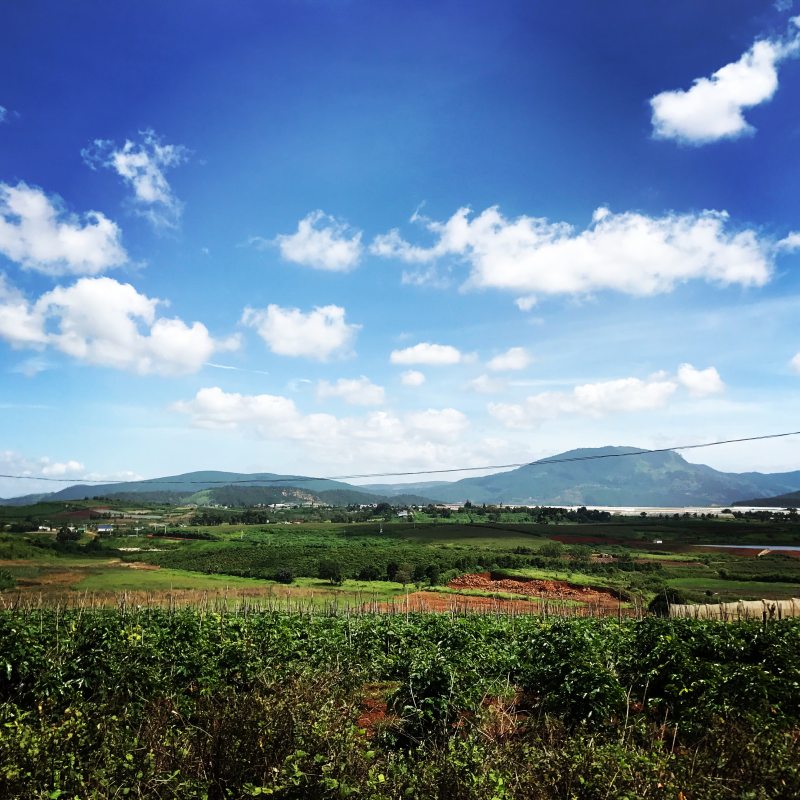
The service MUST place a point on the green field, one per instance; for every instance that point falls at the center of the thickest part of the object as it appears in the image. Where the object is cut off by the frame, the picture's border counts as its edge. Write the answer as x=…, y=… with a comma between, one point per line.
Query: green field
x=186, y=704
x=382, y=557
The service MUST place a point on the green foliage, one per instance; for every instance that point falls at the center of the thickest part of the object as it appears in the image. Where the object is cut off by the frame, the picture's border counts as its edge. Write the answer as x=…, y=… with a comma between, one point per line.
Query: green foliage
x=330, y=570
x=663, y=599
x=183, y=704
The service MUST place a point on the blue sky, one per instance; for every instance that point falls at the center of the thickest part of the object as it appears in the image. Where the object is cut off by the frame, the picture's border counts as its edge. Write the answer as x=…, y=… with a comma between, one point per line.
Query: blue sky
x=356, y=236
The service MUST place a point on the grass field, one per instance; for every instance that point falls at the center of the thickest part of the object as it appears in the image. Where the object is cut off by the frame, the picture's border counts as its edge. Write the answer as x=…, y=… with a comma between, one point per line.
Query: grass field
x=249, y=558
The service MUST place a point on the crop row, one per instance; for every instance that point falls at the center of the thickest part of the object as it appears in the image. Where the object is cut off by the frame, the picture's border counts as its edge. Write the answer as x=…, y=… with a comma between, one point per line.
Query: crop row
x=186, y=704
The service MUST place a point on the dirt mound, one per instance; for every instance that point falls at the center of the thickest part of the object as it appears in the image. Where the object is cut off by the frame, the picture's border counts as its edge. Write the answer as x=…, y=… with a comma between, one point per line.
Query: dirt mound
x=547, y=589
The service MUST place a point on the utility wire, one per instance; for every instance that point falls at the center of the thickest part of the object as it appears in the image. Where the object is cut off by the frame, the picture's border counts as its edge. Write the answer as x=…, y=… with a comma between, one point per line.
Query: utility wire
x=542, y=462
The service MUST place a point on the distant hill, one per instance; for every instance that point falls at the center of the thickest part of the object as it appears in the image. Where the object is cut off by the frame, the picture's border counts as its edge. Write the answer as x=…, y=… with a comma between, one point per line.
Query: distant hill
x=226, y=489
x=652, y=479
x=425, y=488
x=790, y=500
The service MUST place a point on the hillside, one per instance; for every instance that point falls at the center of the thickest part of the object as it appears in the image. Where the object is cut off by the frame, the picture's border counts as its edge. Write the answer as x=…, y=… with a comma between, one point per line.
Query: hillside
x=652, y=479
x=210, y=488
x=789, y=500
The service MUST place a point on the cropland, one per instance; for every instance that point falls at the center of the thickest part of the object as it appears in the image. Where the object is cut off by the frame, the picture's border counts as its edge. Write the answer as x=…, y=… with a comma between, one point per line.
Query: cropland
x=389, y=652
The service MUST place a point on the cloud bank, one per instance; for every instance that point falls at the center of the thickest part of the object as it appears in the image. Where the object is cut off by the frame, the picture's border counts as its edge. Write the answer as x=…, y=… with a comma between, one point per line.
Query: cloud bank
x=600, y=399
x=629, y=252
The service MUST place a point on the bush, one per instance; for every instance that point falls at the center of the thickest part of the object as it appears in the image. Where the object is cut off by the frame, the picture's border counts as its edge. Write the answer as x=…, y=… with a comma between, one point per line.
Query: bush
x=331, y=570
x=664, y=598
x=284, y=576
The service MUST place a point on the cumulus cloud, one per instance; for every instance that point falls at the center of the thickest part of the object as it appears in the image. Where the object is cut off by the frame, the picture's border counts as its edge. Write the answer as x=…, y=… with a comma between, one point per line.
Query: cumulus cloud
x=608, y=397
x=712, y=109
x=515, y=358
x=142, y=166
x=322, y=242
x=3, y=114
x=589, y=399
x=101, y=321
x=627, y=252
x=700, y=382
x=319, y=334
x=426, y=438
x=795, y=363
x=427, y=353
x=355, y=391
x=412, y=377
x=37, y=233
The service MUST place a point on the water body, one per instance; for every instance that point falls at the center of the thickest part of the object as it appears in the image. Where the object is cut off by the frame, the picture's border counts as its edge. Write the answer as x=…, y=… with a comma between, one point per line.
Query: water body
x=792, y=547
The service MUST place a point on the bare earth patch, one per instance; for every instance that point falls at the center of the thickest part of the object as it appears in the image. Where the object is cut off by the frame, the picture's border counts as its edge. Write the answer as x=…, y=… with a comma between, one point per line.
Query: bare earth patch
x=544, y=589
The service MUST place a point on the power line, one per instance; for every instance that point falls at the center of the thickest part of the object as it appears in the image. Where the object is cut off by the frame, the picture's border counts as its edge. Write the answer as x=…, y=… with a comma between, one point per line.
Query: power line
x=542, y=462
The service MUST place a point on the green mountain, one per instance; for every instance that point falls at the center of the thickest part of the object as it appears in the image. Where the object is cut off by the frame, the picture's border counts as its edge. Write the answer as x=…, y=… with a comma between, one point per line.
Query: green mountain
x=617, y=479
x=621, y=477
x=226, y=489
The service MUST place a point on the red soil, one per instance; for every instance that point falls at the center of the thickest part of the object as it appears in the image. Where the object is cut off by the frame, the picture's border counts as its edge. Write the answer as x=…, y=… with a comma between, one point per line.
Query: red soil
x=546, y=589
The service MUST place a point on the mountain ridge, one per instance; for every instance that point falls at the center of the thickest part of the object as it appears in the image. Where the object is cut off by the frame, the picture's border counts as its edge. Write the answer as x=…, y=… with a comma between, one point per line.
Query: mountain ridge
x=609, y=476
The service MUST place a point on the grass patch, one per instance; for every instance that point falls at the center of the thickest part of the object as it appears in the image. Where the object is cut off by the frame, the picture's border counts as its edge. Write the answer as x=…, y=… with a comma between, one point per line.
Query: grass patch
x=115, y=579
x=735, y=590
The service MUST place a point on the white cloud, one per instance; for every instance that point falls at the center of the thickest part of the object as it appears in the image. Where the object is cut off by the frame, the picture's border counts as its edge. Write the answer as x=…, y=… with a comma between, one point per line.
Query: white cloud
x=19, y=323
x=600, y=399
x=589, y=399
x=32, y=366
x=700, y=382
x=379, y=439
x=14, y=463
x=445, y=423
x=319, y=334
x=486, y=385
x=427, y=353
x=515, y=358
x=38, y=234
x=56, y=469
x=627, y=252
x=789, y=243
x=526, y=303
x=712, y=108
x=101, y=321
x=322, y=242
x=795, y=363
x=3, y=114
x=412, y=377
x=356, y=391
x=142, y=166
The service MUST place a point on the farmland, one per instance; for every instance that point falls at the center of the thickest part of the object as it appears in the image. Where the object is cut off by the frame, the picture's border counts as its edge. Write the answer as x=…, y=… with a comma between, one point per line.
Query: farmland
x=193, y=703
x=296, y=658
x=156, y=549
